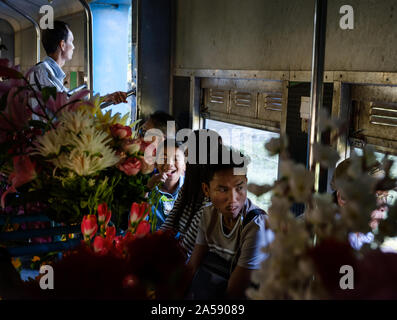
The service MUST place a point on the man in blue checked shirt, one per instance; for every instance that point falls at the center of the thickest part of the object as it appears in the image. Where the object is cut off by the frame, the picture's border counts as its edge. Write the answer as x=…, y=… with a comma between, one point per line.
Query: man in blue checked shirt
x=58, y=44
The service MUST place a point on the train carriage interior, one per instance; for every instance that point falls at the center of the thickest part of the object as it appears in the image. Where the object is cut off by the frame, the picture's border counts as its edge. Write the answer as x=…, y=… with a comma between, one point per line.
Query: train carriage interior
x=254, y=71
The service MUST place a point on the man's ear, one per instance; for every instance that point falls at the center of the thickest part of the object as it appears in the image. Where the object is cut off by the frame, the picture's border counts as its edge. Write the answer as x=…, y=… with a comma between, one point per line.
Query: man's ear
x=341, y=201
x=206, y=189
x=62, y=45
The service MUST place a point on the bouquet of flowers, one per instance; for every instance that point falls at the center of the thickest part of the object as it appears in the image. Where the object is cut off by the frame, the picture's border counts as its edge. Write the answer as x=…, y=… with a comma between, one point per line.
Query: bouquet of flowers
x=111, y=266
x=66, y=153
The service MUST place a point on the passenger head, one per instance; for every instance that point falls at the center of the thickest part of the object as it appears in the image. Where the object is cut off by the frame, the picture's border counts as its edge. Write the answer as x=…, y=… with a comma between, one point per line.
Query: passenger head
x=59, y=40
x=225, y=182
x=341, y=172
x=170, y=159
x=375, y=171
x=157, y=120
x=192, y=192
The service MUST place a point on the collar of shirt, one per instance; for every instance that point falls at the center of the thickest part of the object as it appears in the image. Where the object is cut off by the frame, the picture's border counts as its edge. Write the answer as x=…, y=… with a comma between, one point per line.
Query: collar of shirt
x=175, y=193
x=358, y=239
x=55, y=68
x=248, y=206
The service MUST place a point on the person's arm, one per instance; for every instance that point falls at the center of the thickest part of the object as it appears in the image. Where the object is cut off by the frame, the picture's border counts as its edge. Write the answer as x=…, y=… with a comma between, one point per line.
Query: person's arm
x=195, y=260
x=116, y=97
x=253, y=238
x=157, y=179
x=238, y=283
x=197, y=256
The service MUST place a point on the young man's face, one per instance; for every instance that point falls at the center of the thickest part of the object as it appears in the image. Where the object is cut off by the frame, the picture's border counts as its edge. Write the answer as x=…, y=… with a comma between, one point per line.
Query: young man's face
x=376, y=215
x=227, y=192
x=173, y=163
x=68, y=47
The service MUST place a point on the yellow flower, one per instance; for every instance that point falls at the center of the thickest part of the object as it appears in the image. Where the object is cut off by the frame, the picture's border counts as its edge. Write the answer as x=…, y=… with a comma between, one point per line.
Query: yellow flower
x=16, y=262
x=35, y=258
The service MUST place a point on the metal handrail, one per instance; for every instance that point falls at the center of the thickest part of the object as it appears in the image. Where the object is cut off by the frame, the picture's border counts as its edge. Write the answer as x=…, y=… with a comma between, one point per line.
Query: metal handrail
x=89, y=47
x=81, y=87
x=41, y=248
x=36, y=25
x=316, y=90
x=35, y=233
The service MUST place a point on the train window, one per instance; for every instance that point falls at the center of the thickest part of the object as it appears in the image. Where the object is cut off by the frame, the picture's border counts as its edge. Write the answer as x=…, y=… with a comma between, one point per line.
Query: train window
x=263, y=168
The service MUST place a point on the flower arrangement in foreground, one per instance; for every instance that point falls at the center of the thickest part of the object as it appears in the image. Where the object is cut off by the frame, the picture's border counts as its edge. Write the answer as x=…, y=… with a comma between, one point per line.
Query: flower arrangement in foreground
x=307, y=253
x=136, y=265
x=65, y=153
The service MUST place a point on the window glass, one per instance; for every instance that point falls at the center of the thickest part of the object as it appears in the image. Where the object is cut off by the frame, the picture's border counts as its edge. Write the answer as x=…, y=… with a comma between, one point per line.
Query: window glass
x=263, y=168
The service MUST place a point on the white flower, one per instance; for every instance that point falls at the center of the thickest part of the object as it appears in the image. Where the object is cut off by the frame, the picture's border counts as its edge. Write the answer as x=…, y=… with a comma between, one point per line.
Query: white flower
x=360, y=202
x=76, y=121
x=258, y=189
x=49, y=144
x=86, y=147
x=324, y=209
x=301, y=181
x=326, y=155
x=277, y=145
x=85, y=164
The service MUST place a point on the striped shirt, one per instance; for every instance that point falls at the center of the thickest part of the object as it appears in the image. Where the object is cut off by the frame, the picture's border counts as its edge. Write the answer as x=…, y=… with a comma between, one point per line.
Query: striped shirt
x=188, y=233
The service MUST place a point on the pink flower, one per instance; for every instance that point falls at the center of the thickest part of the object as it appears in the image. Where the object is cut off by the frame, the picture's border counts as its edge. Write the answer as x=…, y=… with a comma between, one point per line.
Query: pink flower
x=120, y=131
x=104, y=214
x=8, y=71
x=142, y=229
x=15, y=78
x=138, y=212
x=60, y=101
x=89, y=226
x=16, y=114
x=24, y=171
x=131, y=166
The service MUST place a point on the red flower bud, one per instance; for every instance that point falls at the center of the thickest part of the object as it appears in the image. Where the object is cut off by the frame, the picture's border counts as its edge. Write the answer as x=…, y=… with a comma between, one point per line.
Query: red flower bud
x=101, y=245
x=143, y=229
x=138, y=212
x=104, y=214
x=89, y=226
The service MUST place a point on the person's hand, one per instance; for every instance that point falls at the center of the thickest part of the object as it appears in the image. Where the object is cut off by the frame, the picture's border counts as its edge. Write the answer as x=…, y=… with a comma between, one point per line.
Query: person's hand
x=116, y=97
x=157, y=179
